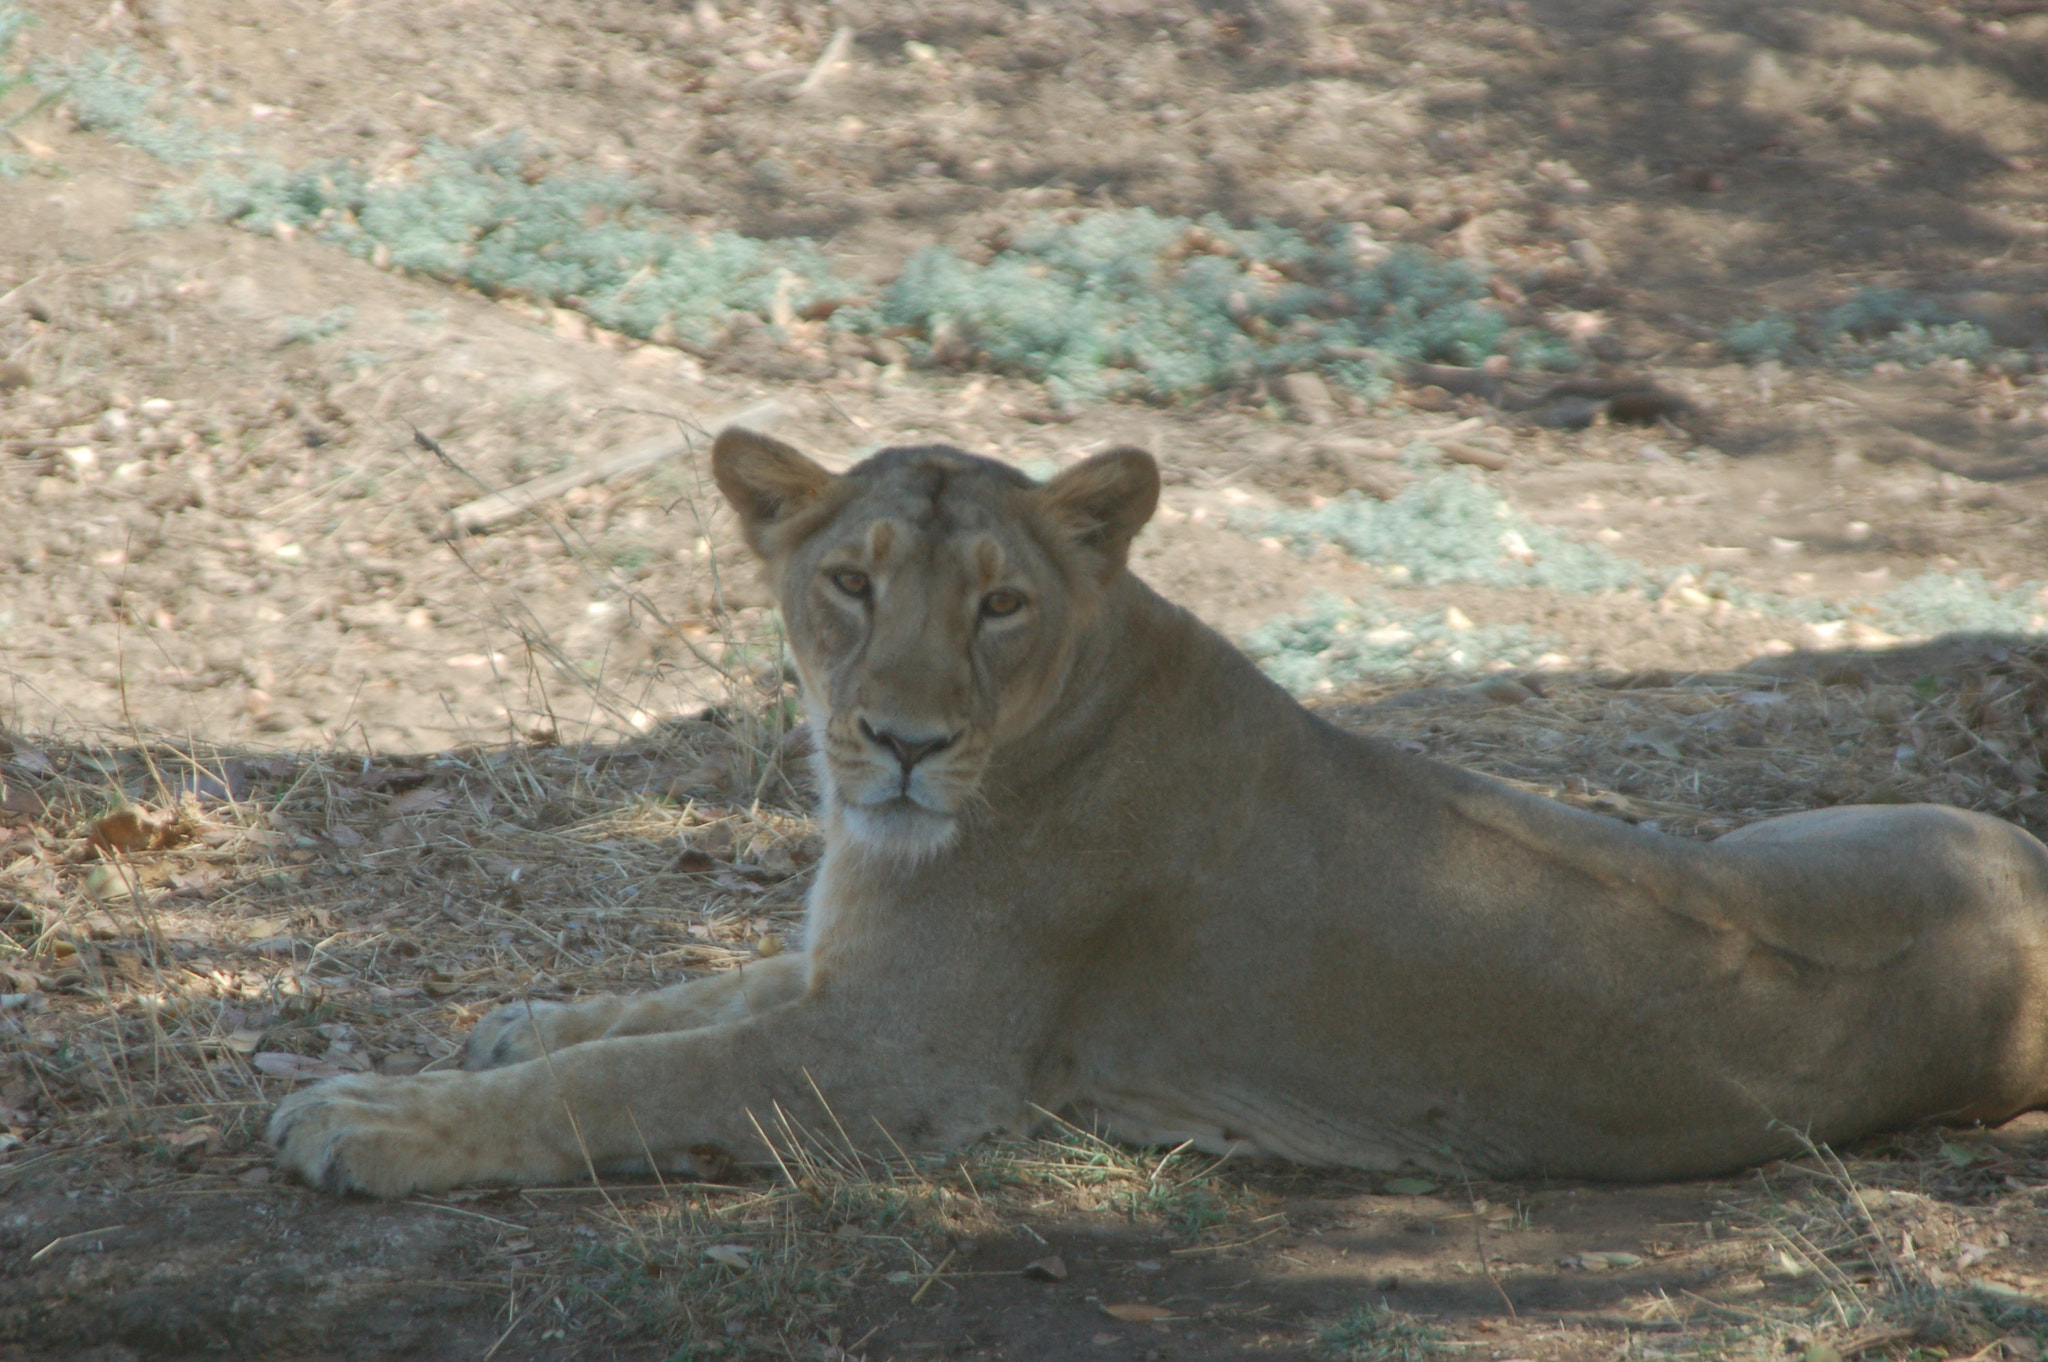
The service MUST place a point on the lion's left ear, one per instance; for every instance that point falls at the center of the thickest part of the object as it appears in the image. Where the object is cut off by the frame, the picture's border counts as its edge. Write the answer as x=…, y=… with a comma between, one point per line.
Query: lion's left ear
x=1106, y=500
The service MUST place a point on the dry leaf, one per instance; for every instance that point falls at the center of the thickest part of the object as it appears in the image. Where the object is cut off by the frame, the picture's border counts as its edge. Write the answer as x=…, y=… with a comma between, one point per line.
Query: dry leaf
x=18, y=801
x=1051, y=1268
x=1139, y=1314
x=393, y=778
x=298, y=1068
x=418, y=801
x=242, y=1042
x=193, y=1141
x=200, y=882
x=344, y=836
x=731, y=1255
x=135, y=828
x=1410, y=1186
x=230, y=784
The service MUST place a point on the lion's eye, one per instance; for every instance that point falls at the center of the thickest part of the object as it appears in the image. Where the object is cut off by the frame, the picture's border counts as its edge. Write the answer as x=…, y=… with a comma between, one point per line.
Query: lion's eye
x=854, y=584
x=1000, y=603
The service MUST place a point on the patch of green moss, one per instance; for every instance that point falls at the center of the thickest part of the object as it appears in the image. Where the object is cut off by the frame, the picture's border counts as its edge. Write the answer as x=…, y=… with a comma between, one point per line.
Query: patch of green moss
x=1452, y=527
x=1938, y=603
x=1876, y=326
x=489, y=218
x=109, y=93
x=1333, y=642
x=1127, y=303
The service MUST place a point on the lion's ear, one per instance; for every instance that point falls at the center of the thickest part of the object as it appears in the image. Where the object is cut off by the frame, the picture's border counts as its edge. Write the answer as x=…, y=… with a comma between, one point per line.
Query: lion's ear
x=1106, y=500
x=767, y=482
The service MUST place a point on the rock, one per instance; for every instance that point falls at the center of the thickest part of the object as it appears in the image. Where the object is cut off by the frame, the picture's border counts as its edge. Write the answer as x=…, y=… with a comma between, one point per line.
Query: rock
x=14, y=375
x=1308, y=398
x=1051, y=1268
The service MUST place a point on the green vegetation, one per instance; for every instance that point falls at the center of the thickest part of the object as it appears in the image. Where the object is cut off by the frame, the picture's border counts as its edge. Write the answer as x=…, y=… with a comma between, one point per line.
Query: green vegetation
x=1379, y=1333
x=1129, y=303
x=1936, y=603
x=495, y=218
x=1452, y=527
x=1115, y=303
x=304, y=330
x=1333, y=642
x=12, y=22
x=109, y=93
x=1876, y=326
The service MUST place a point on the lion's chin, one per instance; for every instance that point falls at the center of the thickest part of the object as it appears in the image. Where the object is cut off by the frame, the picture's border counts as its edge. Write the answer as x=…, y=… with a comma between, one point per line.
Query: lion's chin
x=899, y=828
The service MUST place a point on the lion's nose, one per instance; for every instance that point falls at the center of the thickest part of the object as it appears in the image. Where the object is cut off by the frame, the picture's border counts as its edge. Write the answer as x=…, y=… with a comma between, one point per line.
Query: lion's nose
x=908, y=751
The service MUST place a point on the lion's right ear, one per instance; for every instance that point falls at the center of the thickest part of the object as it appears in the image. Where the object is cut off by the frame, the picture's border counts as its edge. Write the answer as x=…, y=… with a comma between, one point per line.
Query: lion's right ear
x=768, y=482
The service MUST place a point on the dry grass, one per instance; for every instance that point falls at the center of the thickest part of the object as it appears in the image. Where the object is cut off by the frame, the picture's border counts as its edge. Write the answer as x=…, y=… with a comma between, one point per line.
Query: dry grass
x=1699, y=755
x=1884, y=1252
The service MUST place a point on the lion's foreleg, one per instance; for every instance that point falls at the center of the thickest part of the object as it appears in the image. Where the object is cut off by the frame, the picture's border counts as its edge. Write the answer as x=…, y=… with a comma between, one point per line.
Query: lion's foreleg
x=521, y=1031
x=669, y=1096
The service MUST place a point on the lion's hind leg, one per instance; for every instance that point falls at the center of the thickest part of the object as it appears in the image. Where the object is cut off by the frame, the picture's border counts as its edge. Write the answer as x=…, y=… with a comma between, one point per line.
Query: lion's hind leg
x=521, y=1031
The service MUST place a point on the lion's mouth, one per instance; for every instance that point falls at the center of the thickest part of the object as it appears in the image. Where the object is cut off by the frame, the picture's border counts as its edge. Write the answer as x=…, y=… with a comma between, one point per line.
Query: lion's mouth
x=899, y=825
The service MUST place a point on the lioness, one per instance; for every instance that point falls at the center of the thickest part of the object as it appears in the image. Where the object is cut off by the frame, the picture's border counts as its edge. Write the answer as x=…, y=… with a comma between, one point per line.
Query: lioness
x=1080, y=854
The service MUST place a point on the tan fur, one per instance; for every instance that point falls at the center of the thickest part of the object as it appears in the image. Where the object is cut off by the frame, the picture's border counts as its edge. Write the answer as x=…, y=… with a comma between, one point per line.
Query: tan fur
x=1083, y=856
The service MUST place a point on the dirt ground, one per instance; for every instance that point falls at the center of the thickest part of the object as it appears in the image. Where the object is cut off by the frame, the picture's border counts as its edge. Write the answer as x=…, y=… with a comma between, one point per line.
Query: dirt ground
x=400, y=776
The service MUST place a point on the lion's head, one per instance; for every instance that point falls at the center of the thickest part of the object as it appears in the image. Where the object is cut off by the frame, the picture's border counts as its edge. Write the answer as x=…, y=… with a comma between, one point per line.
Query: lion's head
x=933, y=601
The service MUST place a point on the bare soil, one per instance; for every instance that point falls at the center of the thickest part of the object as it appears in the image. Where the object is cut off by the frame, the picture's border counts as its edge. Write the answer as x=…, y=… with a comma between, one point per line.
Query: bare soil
x=403, y=777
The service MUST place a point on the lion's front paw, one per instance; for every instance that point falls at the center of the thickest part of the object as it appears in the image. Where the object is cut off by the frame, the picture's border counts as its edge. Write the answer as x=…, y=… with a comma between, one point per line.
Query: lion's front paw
x=512, y=1034
x=521, y=1031
x=391, y=1136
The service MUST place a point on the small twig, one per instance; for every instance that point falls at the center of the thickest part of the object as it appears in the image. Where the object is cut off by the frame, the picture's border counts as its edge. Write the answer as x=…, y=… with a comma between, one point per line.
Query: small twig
x=38, y=1255
x=1479, y=1243
x=498, y=506
x=474, y=1215
x=918, y=1295
x=821, y=69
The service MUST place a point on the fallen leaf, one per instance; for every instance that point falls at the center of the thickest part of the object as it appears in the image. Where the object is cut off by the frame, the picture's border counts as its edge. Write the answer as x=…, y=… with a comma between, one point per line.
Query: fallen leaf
x=694, y=862
x=348, y=1059
x=707, y=775
x=1410, y=1186
x=734, y=1256
x=1602, y=1262
x=1961, y=1155
x=1051, y=1268
x=1663, y=741
x=18, y=801
x=392, y=778
x=344, y=836
x=200, y=882
x=298, y=1068
x=230, y=784
x=242, y=1042
x=135, y=828
x=1139, y=1314
x=193, y=1141
x=418, y=801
